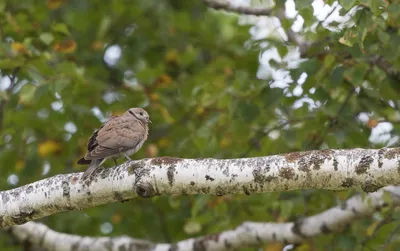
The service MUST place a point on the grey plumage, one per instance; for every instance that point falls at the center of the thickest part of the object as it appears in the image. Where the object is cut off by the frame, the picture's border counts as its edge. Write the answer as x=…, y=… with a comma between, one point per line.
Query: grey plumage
x=120, y=136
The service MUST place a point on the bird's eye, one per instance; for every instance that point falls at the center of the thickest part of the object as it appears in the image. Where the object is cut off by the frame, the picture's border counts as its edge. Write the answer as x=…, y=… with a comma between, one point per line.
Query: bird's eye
x=141, y=113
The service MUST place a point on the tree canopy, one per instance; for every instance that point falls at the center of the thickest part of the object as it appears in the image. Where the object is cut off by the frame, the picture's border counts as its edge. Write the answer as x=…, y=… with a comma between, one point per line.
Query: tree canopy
x=217, y=83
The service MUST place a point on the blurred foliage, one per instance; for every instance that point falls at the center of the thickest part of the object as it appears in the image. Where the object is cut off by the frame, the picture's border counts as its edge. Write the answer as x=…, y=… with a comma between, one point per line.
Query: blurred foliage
x=68, y=65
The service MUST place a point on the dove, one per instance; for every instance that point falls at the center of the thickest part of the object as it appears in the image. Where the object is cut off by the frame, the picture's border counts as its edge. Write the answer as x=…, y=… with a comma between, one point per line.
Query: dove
x=120, y=136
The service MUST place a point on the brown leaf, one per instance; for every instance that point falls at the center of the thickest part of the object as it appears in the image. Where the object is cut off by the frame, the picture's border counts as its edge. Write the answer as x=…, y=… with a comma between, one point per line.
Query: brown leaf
x=54, y=4
x=67, y=46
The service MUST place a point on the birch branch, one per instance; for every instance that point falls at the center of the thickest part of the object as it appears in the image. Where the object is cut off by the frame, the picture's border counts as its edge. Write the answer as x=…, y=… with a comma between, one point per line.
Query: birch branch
x=368, y=169
x=226, y=5
x=247, y=234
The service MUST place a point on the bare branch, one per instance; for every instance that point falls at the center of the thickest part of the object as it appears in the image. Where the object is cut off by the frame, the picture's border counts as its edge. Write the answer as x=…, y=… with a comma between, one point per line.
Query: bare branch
x=226, y=5
x=245, y=235
x=368, y=169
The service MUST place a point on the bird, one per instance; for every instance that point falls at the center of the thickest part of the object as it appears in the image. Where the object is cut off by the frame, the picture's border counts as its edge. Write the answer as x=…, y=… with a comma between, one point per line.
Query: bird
x=120, y=136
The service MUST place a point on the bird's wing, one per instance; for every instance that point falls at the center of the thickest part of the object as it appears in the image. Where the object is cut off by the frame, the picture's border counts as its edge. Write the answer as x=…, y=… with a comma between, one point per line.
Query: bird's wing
x=117, y=135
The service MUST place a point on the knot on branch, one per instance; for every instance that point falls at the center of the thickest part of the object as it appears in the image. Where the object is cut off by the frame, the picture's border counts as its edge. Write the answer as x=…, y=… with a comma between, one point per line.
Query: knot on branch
x=145, y=190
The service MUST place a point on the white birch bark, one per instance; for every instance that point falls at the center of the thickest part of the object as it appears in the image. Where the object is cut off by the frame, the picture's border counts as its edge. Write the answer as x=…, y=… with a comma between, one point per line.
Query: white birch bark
x=247, y=234
x=326, y=169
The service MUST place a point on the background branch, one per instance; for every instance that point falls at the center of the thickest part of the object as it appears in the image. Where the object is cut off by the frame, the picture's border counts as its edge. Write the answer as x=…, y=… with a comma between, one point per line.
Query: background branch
x=226, y=5
x=247, y=234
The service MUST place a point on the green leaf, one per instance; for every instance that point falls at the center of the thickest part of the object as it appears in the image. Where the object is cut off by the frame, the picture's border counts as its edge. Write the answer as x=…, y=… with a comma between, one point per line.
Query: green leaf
x=46, y=38
x=356, y=74
x=11, y=63
x=347, y=4
x=104, y=27
x=61, y=28
x=27, y=94
x=282, y=50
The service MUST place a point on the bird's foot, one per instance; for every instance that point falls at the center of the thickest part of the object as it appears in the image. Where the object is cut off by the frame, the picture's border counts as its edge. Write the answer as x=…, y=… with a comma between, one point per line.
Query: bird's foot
x=127, y=157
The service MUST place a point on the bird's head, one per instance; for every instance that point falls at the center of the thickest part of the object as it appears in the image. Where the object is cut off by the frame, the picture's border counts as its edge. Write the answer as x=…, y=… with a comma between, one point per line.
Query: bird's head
x=140, y=114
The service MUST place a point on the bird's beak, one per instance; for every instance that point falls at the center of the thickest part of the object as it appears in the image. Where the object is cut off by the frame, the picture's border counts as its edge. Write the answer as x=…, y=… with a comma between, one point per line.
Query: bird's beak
x=149, y=121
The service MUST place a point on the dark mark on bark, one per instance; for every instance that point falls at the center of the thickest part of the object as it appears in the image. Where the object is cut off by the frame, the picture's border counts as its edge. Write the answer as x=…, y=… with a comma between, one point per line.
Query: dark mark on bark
x=105, y=172
x=364, y=165
x=343, y=205
x=184, y=192
x=319, y=158
x=381, y=153
x=134, y=166
x=192, y=183
x=219, y=191
x=370, y=187
x=303, y=166
x=227, y=244
x=118, y=196
x=392, y=153
x=286, y=173
x=212, y=237
x=398, y=166
x=29, y=189
x=226, y=171
x=258, y=238
x=165, y=160
x=354, y=210
x=5, y=197
x=325, y=229
x=108, y=244
x=209, y=178
x=348, y=182
x=274, y=236
x=75, y=246
x=293, y=157
x=145, y=190
x=246, y=190
x=174, y=247
x=170, y=175
x=335, y=164
x=205, y=190
x=296, y=228
x=25, y=214
x=66, y=189
x=258, y=176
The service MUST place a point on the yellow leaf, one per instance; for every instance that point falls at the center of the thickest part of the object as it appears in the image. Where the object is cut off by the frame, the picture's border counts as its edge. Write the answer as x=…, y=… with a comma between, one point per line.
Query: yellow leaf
x=226, y=141
x=172, y=56
x=54, y=4
x=19, y=48
x=97, y=45
x=27, y=94
x=67, y=46
x=163, y=142
x=19, y=165
x=151, y=150
x=165, y=114
x=49, y=147
x=371, y=228
x=154, y=97
x=163, y=80
x=116, y=218
x=200, y=110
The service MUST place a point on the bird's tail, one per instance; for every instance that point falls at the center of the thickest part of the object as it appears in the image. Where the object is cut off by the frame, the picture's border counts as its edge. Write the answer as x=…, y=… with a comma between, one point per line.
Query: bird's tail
x=94, y=163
